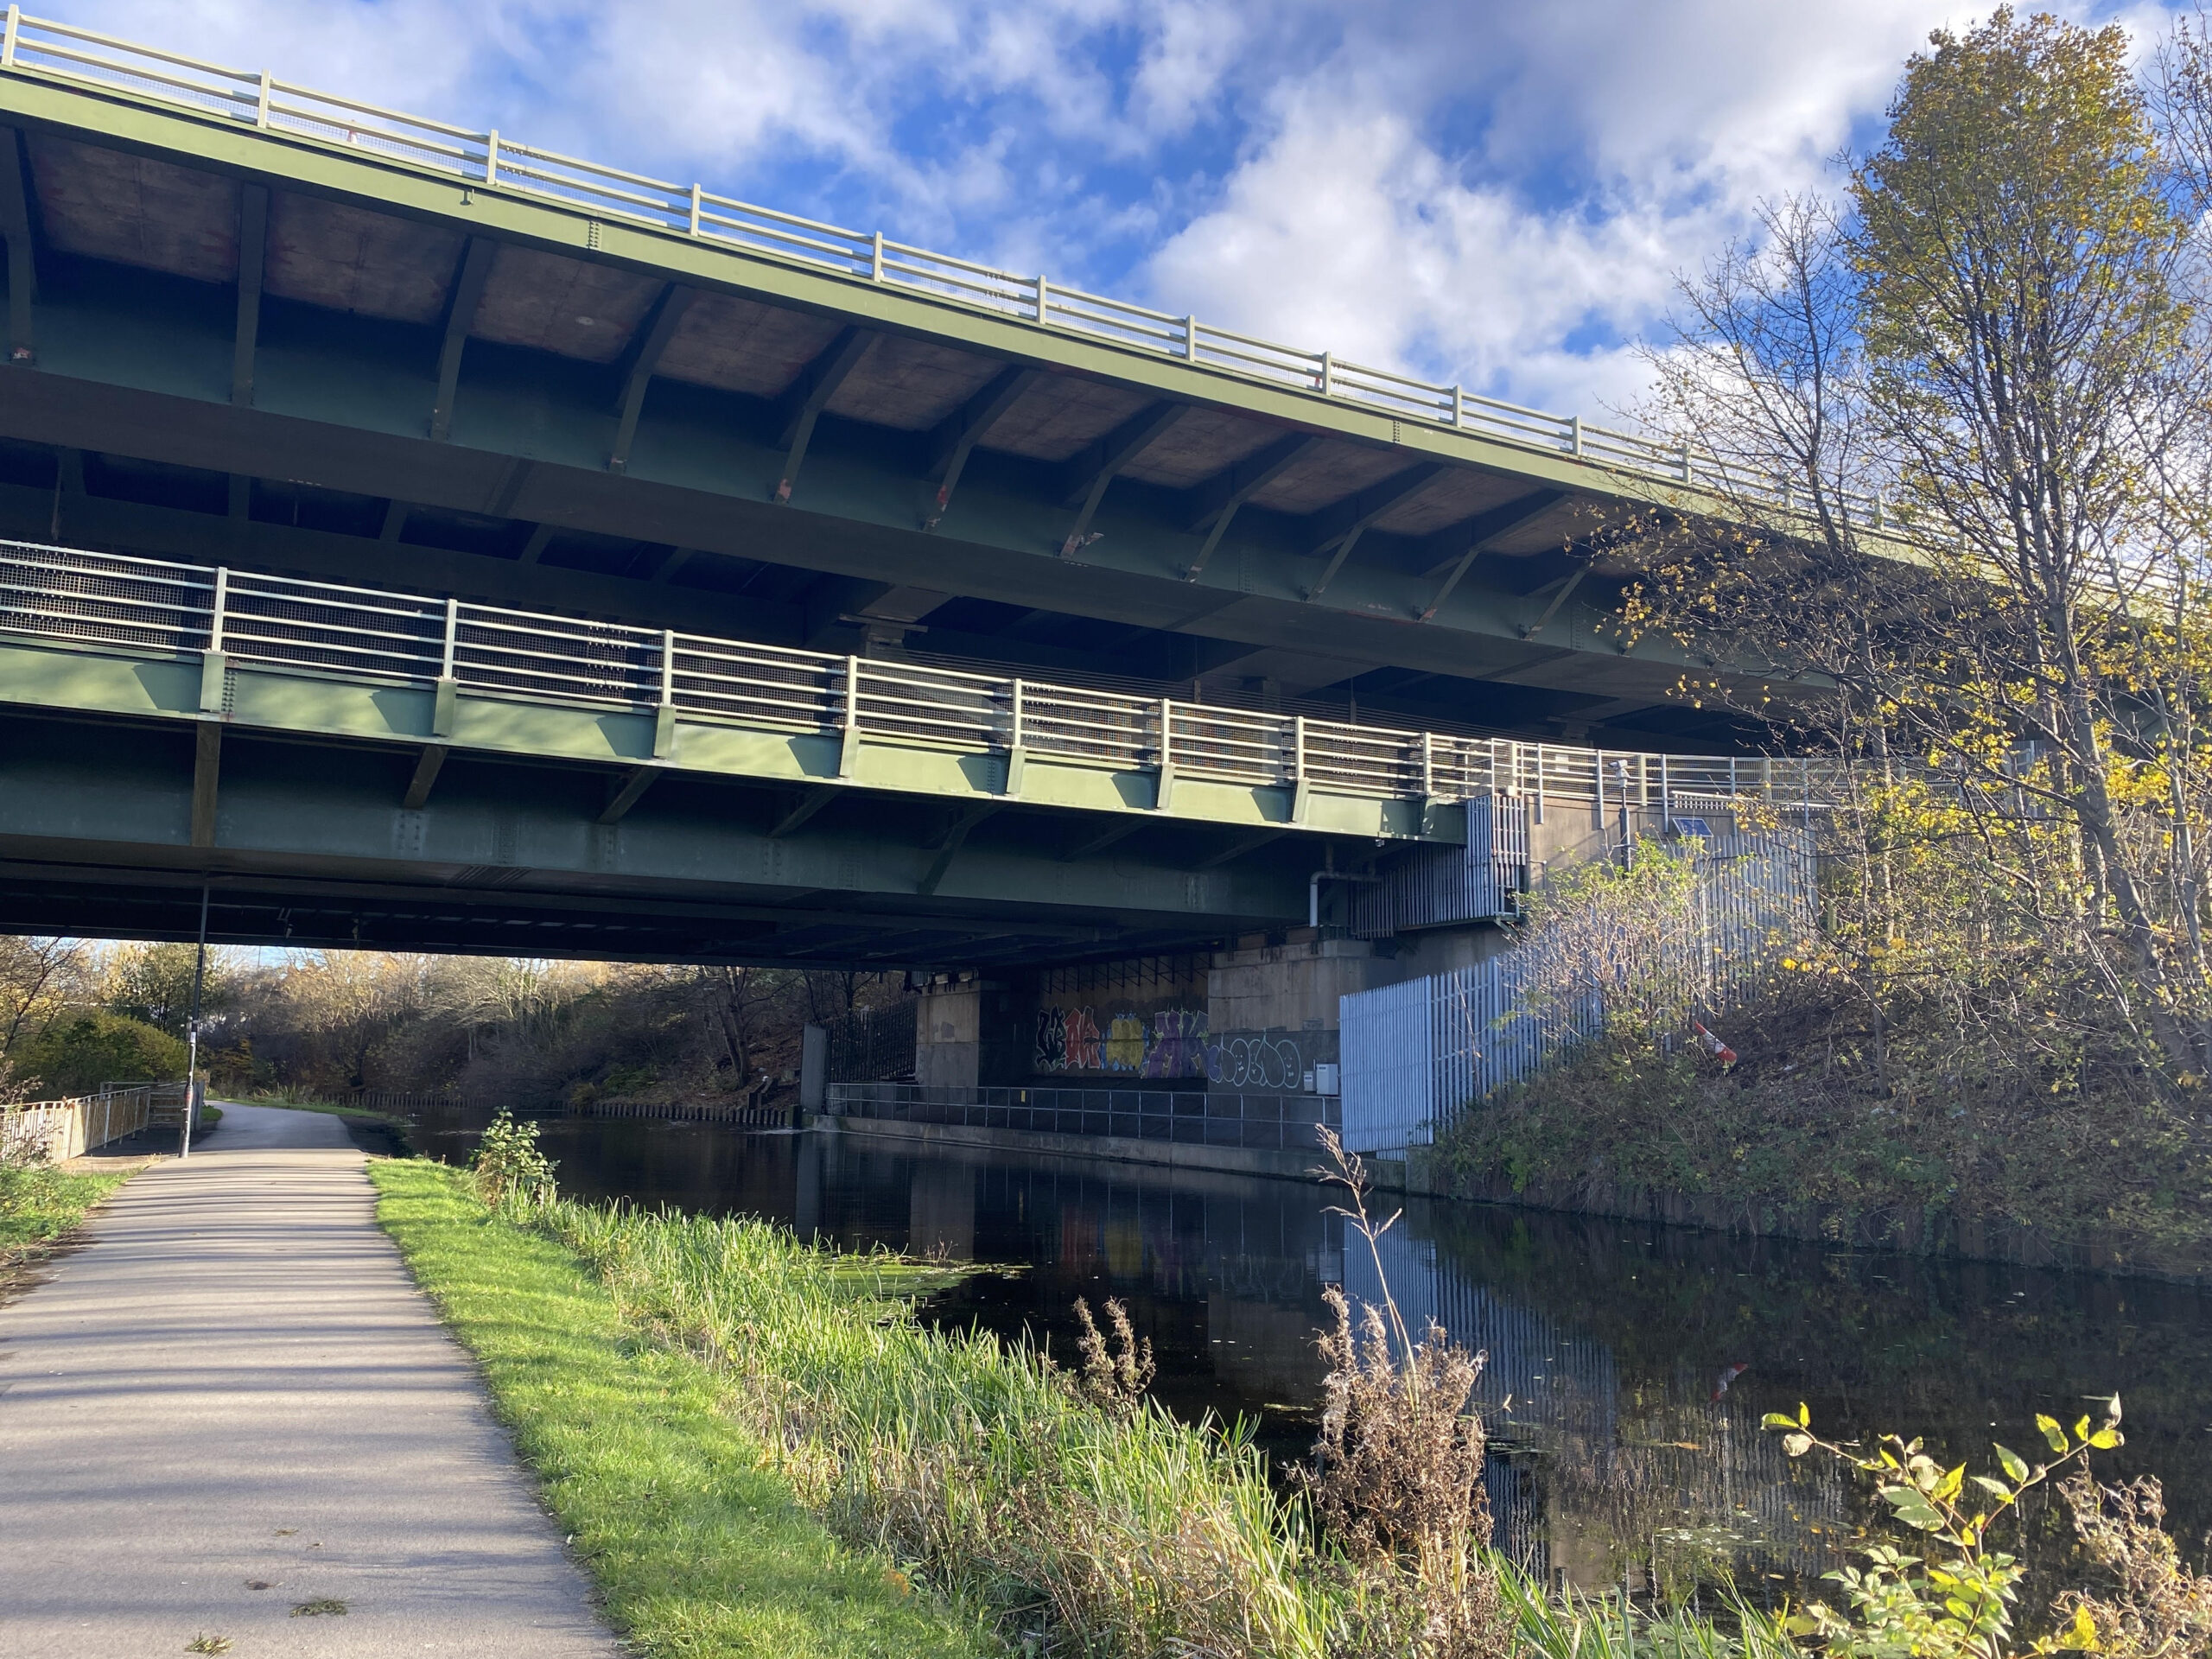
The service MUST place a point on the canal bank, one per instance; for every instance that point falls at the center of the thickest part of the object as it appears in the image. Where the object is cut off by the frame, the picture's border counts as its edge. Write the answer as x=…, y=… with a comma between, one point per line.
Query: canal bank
x=1608, y=1340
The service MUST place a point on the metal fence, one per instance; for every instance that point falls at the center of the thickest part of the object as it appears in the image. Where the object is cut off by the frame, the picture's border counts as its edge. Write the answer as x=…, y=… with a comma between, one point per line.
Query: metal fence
x=1417, y=1053
x=42, y=47
x=51, y=1130
x=1260, y=1121
x=873, y=1045
x=109, y=602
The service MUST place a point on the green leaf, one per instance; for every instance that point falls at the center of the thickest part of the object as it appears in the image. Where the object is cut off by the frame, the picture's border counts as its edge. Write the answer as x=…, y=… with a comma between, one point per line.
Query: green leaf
x=2052, y=1433
x=1913, y=1508
x=1996, y=1489
x=2105, y=1439
x=1947, y=1487
x=1777, y=1420
x=2014, y=1464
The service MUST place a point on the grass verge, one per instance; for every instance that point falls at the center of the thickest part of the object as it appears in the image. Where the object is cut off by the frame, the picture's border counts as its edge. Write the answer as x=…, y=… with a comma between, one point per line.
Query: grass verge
x=697, y=1548
x=39, y=1205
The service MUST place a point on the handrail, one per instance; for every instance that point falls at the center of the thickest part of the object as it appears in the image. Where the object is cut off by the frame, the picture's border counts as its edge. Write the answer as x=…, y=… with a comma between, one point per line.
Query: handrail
x=113, y=601
x=41, y=47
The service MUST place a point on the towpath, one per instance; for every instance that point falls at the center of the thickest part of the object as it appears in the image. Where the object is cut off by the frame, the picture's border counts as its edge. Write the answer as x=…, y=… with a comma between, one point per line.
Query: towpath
x=234, y=1383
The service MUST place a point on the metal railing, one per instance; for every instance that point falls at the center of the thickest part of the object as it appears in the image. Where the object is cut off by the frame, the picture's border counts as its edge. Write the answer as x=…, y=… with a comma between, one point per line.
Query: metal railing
x=111, y=601
x=1282, y=1123
x=40, y=46
x=53, y=1130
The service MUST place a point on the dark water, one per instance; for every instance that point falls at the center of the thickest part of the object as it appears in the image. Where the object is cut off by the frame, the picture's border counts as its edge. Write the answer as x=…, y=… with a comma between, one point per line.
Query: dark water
x=1608, y=1342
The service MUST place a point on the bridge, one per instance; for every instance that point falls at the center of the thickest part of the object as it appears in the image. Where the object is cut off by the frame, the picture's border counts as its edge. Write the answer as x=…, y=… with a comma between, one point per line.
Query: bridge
x=420, y=538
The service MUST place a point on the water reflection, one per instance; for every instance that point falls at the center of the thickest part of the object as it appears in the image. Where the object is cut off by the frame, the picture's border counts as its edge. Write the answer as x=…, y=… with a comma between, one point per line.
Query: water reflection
x=1628, y=1365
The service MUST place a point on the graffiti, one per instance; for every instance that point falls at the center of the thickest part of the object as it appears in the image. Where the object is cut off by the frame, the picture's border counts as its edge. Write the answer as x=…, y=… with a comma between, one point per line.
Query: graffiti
x=1172, y=1043
x=1052, y=1053
x=1177, y=1044
x=1125, y=1043
x=1169, y=1044
x=1256, y=1060
x=1082, y=1040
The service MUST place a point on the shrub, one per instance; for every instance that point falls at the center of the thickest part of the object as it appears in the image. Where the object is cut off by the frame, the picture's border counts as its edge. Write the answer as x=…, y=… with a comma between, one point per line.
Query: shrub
x=77, y=1053
x=509, y=1164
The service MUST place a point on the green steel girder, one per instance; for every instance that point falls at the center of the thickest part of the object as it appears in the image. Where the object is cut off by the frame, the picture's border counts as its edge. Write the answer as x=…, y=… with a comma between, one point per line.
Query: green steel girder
x=513, y=856
x=133, y=364
x=304, y=704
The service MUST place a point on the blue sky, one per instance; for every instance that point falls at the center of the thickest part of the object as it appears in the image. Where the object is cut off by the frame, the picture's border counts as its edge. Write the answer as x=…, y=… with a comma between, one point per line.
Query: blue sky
x=1496, y=193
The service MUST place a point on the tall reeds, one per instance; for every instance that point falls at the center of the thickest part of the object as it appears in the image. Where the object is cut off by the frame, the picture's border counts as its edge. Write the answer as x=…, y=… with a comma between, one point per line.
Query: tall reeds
x=1079, y=1526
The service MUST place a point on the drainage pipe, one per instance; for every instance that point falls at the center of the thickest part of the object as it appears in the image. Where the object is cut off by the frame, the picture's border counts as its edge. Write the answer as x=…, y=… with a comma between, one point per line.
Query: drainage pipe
x=1313, y=890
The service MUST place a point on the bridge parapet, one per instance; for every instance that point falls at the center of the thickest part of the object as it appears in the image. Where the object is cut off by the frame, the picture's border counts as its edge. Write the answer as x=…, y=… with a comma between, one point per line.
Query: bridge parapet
x=39, y=48
x=285, y=654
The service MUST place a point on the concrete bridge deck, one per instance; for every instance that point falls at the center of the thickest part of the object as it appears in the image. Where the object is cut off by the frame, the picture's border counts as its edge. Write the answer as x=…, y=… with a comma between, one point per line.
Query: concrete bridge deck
x=234, y=1382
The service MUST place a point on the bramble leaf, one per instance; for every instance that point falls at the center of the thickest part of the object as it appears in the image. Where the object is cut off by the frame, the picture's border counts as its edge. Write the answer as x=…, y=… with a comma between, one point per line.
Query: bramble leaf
x=2013, y=1464
x=2052, y=1433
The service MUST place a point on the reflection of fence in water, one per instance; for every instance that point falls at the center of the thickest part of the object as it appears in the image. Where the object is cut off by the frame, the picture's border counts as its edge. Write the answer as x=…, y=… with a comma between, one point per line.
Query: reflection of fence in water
x=1596, y=1461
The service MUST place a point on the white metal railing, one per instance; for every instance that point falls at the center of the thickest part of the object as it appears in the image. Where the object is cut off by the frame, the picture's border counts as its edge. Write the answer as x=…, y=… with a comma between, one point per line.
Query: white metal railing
x=40, y=45
x=111, y=601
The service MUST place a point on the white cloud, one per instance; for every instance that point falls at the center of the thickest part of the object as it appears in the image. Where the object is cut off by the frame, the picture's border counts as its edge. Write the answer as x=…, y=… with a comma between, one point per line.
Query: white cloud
x=1612, y=145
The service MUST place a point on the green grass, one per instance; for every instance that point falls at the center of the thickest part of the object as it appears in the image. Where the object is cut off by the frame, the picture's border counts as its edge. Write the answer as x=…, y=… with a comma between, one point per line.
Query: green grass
x=697, y=1547
x=39, y=1206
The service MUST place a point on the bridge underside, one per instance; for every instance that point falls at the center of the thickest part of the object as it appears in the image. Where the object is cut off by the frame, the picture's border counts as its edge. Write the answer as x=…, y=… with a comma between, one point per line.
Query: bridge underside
x=239, y=347
x=511, y=858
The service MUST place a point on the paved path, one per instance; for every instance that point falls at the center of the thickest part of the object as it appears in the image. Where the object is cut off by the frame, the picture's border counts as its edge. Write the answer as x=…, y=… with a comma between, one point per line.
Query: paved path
x=235, y=1382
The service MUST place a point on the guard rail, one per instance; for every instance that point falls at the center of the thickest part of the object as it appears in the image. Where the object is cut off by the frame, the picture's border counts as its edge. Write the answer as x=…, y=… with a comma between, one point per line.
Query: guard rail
x=43, y=47
x=108, y=601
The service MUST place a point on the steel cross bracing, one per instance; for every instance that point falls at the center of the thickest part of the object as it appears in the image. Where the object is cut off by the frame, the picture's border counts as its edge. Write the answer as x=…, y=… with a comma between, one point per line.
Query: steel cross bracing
x=42, y=47
x=283, y=654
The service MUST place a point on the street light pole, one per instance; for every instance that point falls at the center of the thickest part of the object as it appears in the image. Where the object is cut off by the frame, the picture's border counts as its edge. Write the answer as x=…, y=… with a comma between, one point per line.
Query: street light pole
x=192, y=1033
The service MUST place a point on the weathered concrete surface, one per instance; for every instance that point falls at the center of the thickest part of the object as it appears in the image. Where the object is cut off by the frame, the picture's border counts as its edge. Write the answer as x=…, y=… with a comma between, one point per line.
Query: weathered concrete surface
x=235, y=1381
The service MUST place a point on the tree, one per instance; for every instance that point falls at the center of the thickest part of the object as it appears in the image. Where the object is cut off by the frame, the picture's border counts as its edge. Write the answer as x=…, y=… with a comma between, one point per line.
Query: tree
x=38, y=976
x=1983, y=381
x=153, y=983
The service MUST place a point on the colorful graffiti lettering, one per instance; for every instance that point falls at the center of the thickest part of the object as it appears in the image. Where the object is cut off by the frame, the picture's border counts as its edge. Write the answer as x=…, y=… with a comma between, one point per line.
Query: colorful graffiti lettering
x=1082, y=1040
x=1125, y=1043
x=1052, y=1053
x=1177, y=1047
x=1173, y=1043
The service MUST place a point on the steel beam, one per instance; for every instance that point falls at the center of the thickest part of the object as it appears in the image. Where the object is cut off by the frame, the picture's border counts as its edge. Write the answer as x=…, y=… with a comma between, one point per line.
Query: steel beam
x=639, y=361
x=1089, y=472
x=1242, y=845
x=809, y=395
x=253, y=243
x=808, y=804
x=1222, y=495
x=460, y=316
x=953, y=441
x=1346, y=525
x=534, y=548
x=1105, y=838
x=395, y=520
x=1480, y=532
x=427, y=768
x=22, y=251
x=949, y=844
x=206, y=779
x=1567, y=586
x=629, y=792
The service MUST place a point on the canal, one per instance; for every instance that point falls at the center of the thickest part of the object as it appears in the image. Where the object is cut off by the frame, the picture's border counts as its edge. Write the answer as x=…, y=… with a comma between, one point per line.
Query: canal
x=1629, y=1365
